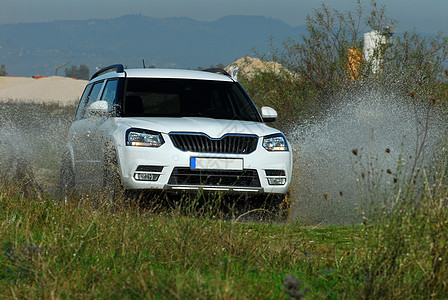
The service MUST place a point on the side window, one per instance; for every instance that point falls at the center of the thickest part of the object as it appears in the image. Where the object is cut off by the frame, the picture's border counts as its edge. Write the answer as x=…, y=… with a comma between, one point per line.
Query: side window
x=82, y=102
x=110, y=92
x=93, y=96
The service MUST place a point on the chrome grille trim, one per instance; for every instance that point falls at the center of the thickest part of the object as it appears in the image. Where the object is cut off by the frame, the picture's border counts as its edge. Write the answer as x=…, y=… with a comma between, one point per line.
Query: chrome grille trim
x=200, y=142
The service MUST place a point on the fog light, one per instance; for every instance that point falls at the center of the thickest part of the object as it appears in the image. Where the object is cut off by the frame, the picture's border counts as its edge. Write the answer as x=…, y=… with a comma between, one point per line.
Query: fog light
x=146, y=176
x=277, y=181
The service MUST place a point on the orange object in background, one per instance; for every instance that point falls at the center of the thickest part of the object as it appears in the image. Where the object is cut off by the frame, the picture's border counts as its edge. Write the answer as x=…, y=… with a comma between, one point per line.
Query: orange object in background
x=354, y=60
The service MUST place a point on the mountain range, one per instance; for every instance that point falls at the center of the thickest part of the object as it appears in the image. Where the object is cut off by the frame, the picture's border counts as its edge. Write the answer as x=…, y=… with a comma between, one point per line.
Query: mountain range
x=28, y=49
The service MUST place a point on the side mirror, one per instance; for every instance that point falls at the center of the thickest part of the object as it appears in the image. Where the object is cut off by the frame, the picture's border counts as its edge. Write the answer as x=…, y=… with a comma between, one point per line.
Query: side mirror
x=268, y=114
x=99, y=108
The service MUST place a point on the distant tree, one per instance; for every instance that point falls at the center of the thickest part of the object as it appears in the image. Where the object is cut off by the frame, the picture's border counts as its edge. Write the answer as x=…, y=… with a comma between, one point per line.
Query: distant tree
x=3, y=71
x=82, y=72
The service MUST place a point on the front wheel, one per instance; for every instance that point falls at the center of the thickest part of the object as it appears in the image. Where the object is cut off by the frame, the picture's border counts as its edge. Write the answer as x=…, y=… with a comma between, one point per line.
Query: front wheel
x=113, y=189
x=66, y=180
x=279, y=205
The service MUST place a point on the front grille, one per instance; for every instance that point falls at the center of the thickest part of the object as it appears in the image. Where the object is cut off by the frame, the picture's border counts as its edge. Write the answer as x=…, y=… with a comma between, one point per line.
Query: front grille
x=187, y=176
x=229, y=143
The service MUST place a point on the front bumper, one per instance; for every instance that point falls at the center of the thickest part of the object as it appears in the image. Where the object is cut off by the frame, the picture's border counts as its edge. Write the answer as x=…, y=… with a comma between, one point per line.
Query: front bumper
x=168, y=168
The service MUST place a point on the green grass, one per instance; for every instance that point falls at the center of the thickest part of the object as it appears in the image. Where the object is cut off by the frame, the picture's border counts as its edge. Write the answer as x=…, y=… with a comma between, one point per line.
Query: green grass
x=74, y=251
x=67, y=251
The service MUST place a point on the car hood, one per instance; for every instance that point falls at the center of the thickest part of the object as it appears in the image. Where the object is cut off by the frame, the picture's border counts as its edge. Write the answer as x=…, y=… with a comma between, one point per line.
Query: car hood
x=214, y=128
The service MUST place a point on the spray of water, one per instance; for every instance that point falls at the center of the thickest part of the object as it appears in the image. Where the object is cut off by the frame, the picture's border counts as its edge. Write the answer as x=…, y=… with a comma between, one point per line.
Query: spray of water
x=363, y=130
x=31, y=140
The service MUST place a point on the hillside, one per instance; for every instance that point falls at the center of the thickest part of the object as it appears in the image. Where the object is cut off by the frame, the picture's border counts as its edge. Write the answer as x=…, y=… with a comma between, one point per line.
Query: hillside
x=28, y=49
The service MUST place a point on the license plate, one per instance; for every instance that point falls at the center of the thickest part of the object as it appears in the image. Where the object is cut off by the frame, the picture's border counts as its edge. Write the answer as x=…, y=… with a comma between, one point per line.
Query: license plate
x=203, y=163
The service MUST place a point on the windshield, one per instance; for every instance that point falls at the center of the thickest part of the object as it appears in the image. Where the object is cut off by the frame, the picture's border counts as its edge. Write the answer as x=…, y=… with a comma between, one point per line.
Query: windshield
x=147, y=97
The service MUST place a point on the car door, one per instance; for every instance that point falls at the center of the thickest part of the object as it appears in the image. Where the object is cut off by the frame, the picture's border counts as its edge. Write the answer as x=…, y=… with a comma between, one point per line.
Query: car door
x=100, y=130
x=81, y=138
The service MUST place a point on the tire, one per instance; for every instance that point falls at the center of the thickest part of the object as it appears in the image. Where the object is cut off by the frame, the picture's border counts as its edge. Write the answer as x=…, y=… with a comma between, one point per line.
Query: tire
x=66, y=187
x=279, y=205
x=283, y=206
x=267, y=207
x=113, y=189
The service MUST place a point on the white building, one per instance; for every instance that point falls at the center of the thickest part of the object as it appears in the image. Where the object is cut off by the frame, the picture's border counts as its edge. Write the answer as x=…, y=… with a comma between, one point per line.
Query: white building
x=372, y=42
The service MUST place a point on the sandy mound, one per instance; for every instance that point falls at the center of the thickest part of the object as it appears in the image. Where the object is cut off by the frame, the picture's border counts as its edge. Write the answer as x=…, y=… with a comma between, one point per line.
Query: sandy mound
x=52, y=89
x=248, y=66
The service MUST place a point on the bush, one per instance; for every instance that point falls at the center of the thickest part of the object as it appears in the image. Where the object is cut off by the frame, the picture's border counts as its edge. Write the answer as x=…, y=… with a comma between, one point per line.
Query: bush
x=282, y=91
x=323, y=67
x=404, y=253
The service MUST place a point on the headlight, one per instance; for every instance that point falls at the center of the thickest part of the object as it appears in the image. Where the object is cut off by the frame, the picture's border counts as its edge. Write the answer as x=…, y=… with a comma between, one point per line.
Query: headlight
x=276, y=142
x=143, y=138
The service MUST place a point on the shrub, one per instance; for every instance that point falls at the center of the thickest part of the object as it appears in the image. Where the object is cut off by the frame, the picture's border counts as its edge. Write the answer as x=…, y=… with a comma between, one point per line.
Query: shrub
x=322, y=66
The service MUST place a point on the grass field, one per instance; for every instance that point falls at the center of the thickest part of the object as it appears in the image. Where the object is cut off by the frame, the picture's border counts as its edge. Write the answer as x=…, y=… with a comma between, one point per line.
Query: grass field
x=75, y=251
x=55, y=250
x=83, y=251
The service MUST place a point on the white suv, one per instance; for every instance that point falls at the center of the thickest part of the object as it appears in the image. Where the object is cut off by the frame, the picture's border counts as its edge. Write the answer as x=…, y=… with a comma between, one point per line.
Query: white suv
x=174, y=130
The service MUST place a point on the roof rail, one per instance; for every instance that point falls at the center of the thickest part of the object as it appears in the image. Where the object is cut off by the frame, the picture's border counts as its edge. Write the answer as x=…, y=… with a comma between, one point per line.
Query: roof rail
x=118, y=67
x=218, y=70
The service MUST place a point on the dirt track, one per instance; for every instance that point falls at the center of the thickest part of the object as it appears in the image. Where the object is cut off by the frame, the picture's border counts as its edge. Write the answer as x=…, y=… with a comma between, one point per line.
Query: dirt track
x=54, y=89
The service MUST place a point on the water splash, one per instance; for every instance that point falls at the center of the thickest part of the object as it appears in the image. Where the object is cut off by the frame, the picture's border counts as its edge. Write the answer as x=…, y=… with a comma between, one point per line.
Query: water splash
x=31, y=139
x=367, y=129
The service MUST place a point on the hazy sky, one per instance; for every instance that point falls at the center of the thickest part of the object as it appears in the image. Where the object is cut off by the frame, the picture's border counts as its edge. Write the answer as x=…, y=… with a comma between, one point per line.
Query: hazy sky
x=423, y=15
